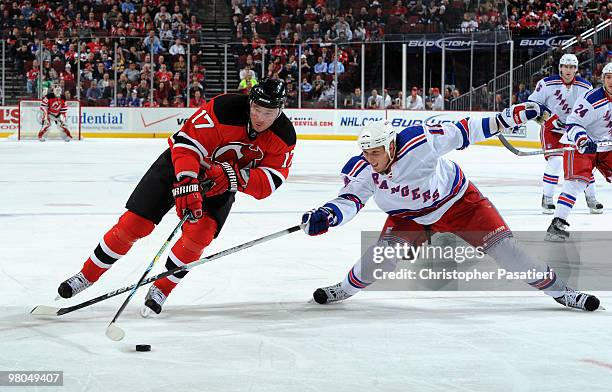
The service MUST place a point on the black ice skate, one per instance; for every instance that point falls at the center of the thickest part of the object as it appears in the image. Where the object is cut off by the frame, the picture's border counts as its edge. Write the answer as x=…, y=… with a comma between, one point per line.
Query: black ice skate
x=595, y=207
x=548, y=205
x=556, y=231
x=153, y=302
x=74, y=285
x=576, y=299
x=329, y=294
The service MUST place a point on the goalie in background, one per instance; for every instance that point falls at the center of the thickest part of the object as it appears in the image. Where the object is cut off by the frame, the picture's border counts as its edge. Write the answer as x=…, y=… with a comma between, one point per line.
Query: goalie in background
x=54, y=109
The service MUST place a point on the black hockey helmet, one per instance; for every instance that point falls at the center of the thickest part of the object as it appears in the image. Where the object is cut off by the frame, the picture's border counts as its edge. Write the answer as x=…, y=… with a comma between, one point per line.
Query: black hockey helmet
x=269, y=93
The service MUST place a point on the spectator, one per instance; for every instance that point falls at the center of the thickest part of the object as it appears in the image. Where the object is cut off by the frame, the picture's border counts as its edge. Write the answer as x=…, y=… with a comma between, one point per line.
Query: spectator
x=133, y=100
x=500, y=103
x=334, y=66
x=177, y=48
x=196, y=85
x=306, y=88
x=353, y=100
x=67, y=73
x=414, y=101
x=523, y=94
x=398, y=103
x=387, y=99
x=109, y=91
x=120, y=101
x=375, y=101
x=93, y=92
x=246, y=84
x=143, y=89
x=131, y=73
x=437, y=100
x=320, y=67
x=317, y=86
x=197, y=100
x=153, y=41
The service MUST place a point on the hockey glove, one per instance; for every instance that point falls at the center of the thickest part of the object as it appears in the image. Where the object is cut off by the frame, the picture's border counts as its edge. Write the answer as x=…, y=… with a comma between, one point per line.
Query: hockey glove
x=187, y=198
x=226, y=178
x=554, y=124
x=316, y=222
x=585, y=144
x=521, y=113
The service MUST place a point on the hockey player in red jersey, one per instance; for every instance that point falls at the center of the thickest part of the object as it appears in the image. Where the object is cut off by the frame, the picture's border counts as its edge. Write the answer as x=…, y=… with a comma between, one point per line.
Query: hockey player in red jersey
x=54, y=109
x=243, y=143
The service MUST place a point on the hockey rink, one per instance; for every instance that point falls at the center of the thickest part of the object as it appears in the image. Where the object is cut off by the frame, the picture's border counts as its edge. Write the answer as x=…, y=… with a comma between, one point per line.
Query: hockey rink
x=243, y=322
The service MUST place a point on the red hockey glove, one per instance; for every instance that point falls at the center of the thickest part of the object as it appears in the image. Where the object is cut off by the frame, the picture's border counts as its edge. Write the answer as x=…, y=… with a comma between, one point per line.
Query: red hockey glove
x=226, y=177
x=553, y=124
x=187, y=198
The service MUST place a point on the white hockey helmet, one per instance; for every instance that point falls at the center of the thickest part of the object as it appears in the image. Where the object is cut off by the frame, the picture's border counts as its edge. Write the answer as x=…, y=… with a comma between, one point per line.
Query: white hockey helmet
x=607, y=69
x=375, y=134
x=568, y=59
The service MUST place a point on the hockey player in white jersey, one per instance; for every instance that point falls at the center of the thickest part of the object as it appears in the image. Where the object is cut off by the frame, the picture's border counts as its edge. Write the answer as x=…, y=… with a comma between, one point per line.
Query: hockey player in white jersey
x=559, y=93
x=422, y=192
x=590, y=122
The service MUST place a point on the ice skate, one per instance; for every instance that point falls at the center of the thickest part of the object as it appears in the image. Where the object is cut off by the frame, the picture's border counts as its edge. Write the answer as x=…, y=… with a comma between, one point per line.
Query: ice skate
x=595, y=207
x=548, y=205
x=329, y=294
x=153, y=302
x=74, y=285
x=557, y=231
x=576, y=299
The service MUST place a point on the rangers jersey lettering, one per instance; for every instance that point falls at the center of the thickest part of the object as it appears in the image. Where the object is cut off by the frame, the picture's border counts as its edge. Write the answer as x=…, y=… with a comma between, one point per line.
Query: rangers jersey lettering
x=217, y=131
x=592, y=115
x=558, y=96
x=421, y=185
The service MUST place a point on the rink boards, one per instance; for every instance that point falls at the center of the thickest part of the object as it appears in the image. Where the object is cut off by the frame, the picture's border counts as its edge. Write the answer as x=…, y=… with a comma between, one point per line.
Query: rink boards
x=314, y=124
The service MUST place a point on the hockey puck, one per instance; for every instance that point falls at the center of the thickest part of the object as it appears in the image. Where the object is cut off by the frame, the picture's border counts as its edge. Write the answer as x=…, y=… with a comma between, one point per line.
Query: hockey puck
x=143, y=347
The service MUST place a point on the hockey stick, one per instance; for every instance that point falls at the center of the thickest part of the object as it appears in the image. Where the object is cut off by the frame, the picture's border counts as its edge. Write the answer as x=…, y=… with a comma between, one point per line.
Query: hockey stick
x=115, y=333
x=520, y=153
x=44, y=310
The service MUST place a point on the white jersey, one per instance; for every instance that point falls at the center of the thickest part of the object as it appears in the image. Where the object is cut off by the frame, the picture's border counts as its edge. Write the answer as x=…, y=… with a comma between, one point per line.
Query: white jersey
x=421, y=185
x=592, y=115
x=559, y=97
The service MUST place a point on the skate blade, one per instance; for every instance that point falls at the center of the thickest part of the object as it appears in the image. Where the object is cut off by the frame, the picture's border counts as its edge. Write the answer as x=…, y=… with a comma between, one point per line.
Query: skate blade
x=546, y=211
x=146, y=312
x=554, y=238
x=596, y=212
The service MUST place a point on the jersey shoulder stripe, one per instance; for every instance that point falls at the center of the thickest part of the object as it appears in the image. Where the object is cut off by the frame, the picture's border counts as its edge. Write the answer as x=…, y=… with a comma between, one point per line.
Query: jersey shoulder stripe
x=594, y=96
x=583, y=83
x=553, y=79
x=354, y=166
x=409, y=139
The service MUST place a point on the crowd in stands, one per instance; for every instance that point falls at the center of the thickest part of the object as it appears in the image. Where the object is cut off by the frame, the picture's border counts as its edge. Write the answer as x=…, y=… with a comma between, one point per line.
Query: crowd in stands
x=150, y=61
x=544, y=17
x=294, y=40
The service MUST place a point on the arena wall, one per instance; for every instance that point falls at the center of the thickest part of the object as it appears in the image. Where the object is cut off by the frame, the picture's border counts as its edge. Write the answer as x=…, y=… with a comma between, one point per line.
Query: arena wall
x=314, y=124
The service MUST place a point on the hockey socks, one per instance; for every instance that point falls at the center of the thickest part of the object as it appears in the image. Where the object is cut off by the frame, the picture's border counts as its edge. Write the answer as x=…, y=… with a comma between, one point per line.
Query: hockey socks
x=196, y=236
x=567, y=198
x=554, y=168
x=115, y=244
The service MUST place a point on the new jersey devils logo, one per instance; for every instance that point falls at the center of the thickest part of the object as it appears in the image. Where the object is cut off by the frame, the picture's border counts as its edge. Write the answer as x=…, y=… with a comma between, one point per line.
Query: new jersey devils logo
x=245, y=155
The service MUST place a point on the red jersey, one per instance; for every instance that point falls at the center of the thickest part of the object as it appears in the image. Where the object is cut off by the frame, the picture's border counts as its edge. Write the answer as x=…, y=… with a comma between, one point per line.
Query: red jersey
x=218, y=131
x=53, y=105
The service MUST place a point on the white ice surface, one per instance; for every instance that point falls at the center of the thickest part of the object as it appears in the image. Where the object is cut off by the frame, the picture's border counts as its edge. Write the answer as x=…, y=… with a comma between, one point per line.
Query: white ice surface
x=242, y=323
